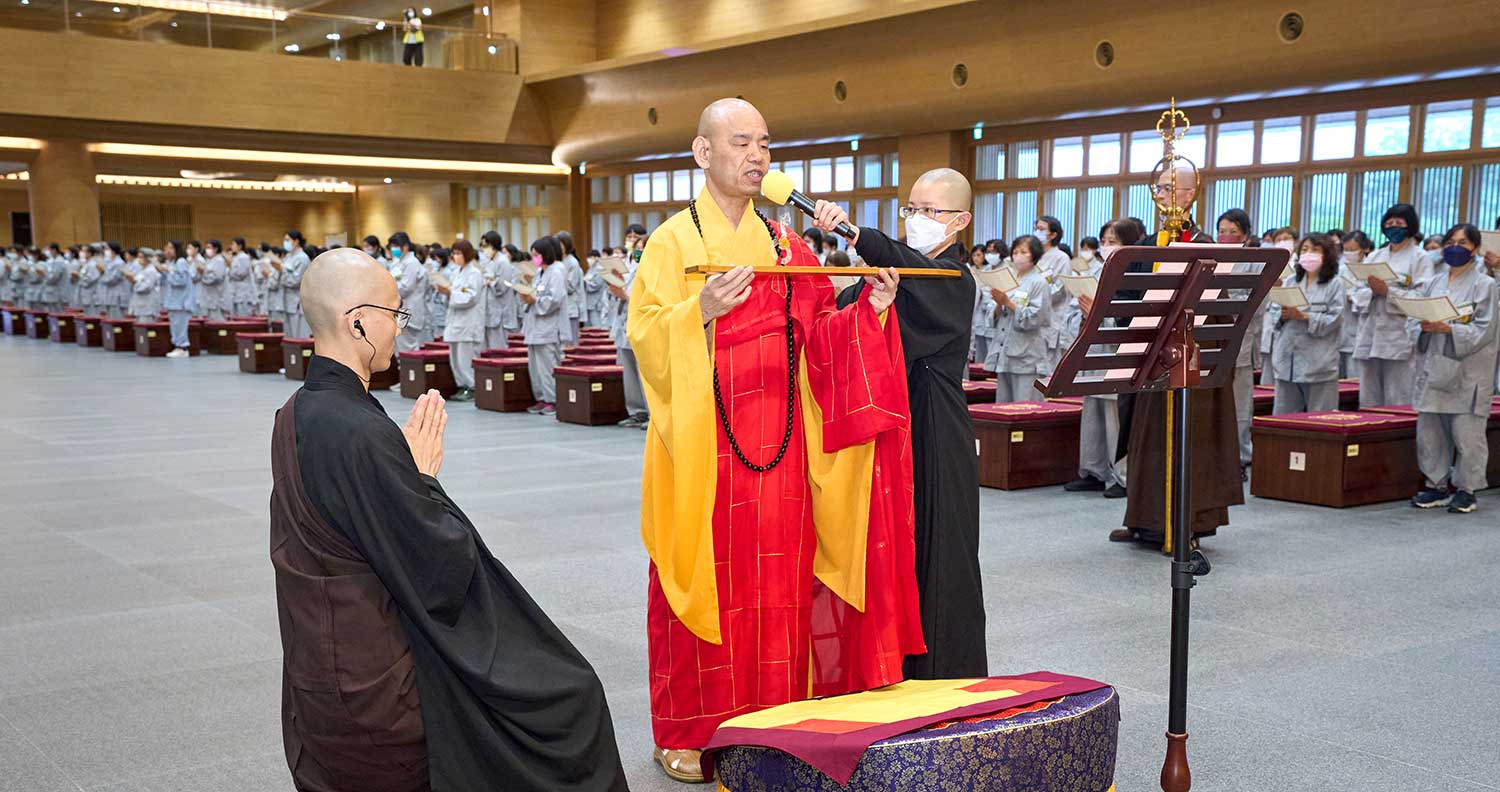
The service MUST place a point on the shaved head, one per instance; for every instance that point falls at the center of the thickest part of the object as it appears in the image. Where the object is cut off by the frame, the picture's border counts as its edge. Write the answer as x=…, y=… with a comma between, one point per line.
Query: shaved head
x=733, y=147
x=946, y=186
x=724, y=115
x=340, y=279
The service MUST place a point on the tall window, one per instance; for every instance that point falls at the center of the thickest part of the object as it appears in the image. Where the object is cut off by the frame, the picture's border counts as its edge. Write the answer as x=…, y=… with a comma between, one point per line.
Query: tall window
x=518, y=212
x=1341, y=169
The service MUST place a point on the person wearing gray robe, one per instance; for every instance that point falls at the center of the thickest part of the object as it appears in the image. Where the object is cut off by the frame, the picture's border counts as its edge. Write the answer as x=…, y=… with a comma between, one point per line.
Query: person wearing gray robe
x=545, y=323
x=574, y=275
x=72, y=285
x=1306, y=351
x=637, y=414
x=36, y=276
x=90, y=268
x=292, y=266
x=594, y=295
x=212, y=282
x=502, y=306
x=179, y=300
x=437, y=302
x=144, y=283
x=55, y=273
x=1099, y=432
x=1455, y=378
x=1382, y=346
x=983, y=323
x=464, y=328
x=240, y=292
x=1020, y=352
x=114, y=289
x=17, y=277
x=275, y=307
x=411, y=284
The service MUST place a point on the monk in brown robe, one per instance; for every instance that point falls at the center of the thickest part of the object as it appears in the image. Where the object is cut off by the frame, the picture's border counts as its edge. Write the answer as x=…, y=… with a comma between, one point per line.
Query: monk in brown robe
x=1214, y=474
x=412, y=660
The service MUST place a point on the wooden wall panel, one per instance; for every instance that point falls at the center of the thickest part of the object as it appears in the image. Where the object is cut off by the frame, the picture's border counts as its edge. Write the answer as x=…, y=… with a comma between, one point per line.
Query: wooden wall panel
x=74, y=76
x=637, y=27
x=318, y=221
x=423, y=210
x=556, y=34
x=898, y=71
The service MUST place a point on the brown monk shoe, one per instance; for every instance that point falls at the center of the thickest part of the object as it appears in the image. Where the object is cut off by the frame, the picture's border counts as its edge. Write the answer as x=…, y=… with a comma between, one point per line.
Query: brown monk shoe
x=685, y=765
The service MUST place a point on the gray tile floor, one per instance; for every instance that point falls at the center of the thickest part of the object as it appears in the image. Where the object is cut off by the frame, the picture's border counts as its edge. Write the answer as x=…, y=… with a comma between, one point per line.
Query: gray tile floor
x=1333, y=650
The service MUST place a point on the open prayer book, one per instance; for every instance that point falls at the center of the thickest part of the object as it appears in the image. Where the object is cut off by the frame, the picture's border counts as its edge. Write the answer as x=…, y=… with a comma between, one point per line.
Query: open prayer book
x=521, y=288
x=1426, y=309
x=437, y=279
x=1003, y=279
x=613, y=278
x=527, y=269
x=1379, y=270
x=615, y=264
x=1081, y=285
x=1289, y=297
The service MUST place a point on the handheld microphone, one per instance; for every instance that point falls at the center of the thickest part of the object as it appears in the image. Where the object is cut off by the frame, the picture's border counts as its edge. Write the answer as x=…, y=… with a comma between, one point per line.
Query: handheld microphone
x=777, y=187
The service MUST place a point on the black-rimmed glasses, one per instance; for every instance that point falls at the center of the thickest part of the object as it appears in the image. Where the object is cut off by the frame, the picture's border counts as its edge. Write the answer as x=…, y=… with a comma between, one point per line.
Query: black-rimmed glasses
x=927, y=211
x=402, y=317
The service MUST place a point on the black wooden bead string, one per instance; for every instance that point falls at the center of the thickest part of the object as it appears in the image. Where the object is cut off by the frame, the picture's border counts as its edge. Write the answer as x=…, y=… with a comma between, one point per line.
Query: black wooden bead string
x=791, y=366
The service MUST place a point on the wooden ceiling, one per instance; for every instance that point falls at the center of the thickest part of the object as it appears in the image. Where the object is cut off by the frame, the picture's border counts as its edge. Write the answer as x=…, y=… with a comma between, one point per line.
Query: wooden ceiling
x=1021, y=62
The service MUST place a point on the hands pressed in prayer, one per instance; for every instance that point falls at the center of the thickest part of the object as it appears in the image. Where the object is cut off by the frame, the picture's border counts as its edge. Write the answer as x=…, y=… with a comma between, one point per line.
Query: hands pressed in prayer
x=827, y=216
x=882, y=290
x=424, y=432
x=723, y=293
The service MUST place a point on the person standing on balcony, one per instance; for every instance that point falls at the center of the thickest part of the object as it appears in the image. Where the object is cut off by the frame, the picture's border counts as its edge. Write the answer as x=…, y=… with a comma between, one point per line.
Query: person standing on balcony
x=411, y=36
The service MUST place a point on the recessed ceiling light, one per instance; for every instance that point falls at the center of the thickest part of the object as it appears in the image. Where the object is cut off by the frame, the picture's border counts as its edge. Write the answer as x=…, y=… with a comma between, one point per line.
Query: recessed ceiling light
x=380, y=25
x=115, y=9
x=493, y=49
x=78, y=13
x=292, y=48
x=387, y=180
x=25, y=2
x=174, y=24
x=333, y=37
x=426, y=11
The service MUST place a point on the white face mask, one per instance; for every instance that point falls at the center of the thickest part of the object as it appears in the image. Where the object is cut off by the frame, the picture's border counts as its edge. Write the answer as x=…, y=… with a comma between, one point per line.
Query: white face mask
x=1106, y=251
x=1041, y=236
x=924, y=234
x=1287, y=245
x=992, y=259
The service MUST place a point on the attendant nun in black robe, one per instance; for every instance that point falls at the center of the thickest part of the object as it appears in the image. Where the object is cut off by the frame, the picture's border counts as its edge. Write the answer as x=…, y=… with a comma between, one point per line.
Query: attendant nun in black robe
x=935, y=318
x=412, y=658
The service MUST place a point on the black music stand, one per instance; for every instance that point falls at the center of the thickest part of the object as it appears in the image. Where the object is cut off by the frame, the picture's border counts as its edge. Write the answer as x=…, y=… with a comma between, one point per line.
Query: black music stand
x=1204, y=306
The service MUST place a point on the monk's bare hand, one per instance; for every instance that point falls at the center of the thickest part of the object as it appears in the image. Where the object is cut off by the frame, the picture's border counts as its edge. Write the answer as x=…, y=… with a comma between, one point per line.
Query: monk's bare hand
x=723, y=293
x=424, y=432
x=882, y=289
x=1085, y=304
x=827, y=215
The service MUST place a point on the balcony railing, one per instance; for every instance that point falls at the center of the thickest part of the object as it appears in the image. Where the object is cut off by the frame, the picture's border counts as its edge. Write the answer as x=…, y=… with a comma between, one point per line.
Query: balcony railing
x=247, y=26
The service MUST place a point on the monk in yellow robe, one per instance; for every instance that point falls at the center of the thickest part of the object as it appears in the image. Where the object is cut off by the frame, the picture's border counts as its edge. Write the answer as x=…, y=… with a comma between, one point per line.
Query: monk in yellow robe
x=777, y=494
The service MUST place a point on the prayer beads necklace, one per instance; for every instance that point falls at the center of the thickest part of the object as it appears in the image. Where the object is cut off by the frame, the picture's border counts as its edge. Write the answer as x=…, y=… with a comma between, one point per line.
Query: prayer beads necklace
x=791, y=364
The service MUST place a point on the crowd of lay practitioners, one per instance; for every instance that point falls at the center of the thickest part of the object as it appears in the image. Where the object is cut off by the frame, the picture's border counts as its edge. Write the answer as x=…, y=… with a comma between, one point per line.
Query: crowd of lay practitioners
x=472, y=295
x=810, y=488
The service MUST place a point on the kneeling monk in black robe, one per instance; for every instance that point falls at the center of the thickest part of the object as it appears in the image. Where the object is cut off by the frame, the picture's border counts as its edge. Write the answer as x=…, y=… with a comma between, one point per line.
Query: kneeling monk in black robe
x=412, y=660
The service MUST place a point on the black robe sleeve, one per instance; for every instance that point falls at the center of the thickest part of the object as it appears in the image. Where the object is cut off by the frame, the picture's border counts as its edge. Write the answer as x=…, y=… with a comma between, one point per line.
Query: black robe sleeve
x=507, y=701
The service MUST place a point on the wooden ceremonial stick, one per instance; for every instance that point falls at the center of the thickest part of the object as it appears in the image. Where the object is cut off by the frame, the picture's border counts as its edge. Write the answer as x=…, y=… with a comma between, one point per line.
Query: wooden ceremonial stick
x=905, y=272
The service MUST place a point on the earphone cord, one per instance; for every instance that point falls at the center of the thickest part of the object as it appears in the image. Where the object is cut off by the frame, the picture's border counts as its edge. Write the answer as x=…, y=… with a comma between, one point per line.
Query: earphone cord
x=369, y=364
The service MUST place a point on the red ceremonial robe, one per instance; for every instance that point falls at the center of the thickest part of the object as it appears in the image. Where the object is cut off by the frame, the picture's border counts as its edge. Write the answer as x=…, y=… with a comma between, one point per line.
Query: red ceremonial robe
x=786, y=635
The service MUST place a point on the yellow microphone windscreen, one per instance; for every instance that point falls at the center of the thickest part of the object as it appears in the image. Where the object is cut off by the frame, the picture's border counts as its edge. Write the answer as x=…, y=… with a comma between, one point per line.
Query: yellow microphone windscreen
x=777, y=187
